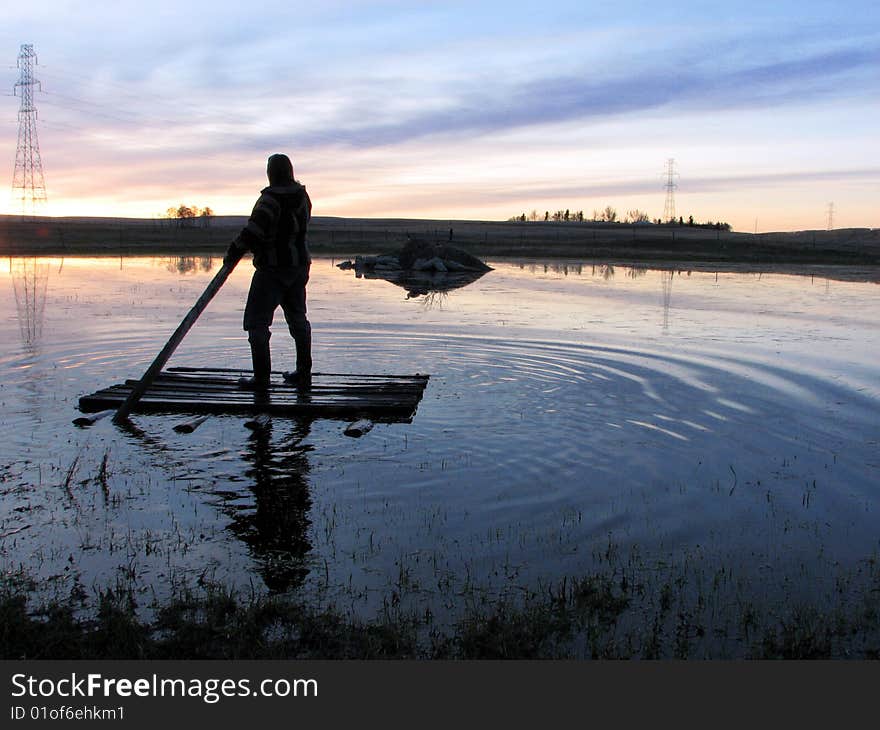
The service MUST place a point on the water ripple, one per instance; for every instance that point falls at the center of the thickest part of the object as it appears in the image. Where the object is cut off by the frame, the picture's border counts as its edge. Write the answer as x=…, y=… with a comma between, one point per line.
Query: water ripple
x=655, y=444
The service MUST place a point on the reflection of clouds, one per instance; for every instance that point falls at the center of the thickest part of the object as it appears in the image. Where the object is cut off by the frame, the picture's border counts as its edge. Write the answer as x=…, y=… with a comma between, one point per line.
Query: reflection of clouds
x=30, y=280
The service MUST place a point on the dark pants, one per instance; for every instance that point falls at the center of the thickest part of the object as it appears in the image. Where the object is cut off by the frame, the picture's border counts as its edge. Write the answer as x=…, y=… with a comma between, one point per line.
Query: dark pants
x=287, y=288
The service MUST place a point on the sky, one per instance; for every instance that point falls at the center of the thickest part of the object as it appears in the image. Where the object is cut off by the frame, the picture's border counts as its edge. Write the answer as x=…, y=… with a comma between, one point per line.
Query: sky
x=455, y=110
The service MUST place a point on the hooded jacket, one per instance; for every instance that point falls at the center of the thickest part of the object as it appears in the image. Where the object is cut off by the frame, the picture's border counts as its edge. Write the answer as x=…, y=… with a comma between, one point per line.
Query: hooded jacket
x=276, y=229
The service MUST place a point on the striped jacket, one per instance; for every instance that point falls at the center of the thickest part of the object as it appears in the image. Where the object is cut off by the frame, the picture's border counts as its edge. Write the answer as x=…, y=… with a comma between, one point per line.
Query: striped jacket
x=276, y=230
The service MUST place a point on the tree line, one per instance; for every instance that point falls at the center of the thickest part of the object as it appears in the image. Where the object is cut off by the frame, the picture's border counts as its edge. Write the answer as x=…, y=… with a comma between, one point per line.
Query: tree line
x=609, y=215
x=187, y=215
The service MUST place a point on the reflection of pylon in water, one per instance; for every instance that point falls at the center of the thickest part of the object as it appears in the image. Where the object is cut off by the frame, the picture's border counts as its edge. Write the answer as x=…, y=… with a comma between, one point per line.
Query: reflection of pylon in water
x=30, y=279
x=666, y=283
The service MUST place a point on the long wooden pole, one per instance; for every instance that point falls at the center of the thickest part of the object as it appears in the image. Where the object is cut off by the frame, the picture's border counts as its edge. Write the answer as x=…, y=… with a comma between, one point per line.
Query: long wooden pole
x=150, y=375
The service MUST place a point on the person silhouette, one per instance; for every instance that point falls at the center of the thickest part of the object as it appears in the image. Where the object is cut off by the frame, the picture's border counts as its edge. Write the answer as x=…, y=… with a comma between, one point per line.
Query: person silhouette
x=276, y=234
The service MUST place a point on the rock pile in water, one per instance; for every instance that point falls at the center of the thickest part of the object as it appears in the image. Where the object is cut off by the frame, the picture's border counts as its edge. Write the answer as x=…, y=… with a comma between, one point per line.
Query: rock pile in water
x=419, y=255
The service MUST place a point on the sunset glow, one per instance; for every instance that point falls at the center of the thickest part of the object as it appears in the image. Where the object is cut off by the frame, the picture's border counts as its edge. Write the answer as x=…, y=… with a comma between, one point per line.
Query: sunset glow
x=457, y=110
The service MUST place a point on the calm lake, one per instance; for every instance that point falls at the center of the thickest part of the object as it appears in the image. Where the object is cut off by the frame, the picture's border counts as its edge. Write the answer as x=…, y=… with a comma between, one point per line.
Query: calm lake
x=716, y=427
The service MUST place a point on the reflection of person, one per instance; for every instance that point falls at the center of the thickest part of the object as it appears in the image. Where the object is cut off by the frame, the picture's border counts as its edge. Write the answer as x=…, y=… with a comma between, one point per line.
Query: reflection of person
x=276, y=525
x=276, y=234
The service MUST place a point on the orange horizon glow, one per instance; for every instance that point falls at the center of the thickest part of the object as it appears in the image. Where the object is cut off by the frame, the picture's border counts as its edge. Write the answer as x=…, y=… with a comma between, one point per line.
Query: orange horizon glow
x=760, y=218
x=481, y=182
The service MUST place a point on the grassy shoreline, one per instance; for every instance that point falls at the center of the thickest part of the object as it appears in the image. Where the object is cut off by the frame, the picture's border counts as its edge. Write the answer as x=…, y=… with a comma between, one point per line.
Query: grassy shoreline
x=593, y=617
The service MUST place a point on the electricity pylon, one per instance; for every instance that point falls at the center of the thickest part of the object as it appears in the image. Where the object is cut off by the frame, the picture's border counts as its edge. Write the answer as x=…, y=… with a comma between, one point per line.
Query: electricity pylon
x=28, y=184
x=669, y=206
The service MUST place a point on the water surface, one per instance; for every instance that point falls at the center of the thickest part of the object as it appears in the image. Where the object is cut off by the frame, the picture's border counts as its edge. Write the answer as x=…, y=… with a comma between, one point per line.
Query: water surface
x=578, y=416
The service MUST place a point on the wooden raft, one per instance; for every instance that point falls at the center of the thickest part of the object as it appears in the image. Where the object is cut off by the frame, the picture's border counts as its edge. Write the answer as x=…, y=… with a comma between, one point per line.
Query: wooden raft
x=216, y=390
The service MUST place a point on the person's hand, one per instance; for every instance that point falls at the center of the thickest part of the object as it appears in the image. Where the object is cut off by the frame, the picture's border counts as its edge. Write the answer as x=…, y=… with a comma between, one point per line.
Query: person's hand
x=233, y=255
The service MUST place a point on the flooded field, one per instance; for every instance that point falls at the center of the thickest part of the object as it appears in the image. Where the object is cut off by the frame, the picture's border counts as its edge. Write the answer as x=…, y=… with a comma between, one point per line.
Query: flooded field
x=713, y=431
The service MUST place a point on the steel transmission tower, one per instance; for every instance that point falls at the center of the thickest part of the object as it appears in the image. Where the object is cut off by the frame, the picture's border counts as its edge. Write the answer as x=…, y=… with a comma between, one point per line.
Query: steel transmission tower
x=669, y=205
x=830, y=216
x=28, y=185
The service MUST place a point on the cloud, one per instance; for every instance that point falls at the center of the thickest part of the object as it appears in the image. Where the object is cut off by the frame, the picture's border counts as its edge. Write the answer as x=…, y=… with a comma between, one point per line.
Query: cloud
x=711, y=184
x=739, y=182
x=557, y=99
x=453, y=195
x=237, y=87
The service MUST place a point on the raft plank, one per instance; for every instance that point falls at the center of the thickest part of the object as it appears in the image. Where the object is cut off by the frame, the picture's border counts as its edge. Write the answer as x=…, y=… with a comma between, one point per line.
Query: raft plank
x=238, y=372
x=216, y=390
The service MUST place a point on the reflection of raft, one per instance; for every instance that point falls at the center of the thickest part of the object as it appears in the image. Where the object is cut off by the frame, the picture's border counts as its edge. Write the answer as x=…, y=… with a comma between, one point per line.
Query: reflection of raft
x=216, y=390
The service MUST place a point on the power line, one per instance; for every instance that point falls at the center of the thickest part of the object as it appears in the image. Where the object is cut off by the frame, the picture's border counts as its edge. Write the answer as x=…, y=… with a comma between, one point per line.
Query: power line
x=28, y=183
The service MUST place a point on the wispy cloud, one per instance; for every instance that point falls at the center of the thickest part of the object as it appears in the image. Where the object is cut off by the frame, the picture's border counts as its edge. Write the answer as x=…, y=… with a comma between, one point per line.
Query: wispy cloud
x=582, y=96
x=610, y=190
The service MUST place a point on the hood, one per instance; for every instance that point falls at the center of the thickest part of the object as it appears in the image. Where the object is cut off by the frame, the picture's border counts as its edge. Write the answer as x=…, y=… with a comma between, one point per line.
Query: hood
x=293, y=188
x=279, y=170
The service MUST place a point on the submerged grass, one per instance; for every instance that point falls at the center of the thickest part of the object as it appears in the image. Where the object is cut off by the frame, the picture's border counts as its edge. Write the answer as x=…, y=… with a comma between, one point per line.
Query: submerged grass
x=632, y=606
x=595, y=617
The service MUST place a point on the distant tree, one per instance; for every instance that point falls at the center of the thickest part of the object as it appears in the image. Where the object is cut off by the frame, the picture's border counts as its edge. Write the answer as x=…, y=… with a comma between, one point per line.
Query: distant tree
x=185, y=215
x=533, y=216
x=690, y=220
x=609, y=215
x=565, y=216
x=580, y=216
x=637, y=216
x=546, y=215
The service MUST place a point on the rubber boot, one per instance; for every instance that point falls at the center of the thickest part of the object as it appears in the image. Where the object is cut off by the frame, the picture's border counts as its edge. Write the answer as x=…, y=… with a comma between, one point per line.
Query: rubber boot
x=303, y=343
x=262, y=362
x=302, y=376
